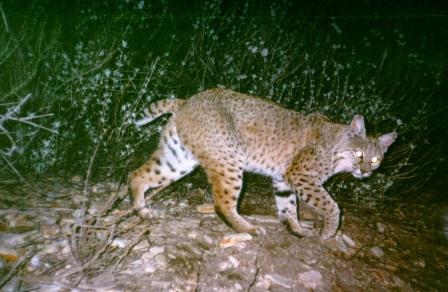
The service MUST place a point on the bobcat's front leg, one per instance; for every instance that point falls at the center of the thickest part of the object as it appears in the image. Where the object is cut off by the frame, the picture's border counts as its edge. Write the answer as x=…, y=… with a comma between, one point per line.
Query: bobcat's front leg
x=305, y=179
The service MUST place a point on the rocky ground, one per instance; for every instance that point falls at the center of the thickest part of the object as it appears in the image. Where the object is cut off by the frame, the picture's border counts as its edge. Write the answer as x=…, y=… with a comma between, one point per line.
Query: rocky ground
x=56, y=235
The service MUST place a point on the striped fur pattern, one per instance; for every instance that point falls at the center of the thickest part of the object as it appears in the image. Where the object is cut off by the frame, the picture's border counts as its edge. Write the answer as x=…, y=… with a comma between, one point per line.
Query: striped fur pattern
x=159, y=108
x=227, y=133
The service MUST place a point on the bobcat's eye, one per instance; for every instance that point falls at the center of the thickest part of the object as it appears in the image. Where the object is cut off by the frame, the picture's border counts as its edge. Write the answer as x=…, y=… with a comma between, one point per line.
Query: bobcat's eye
x=358, y=154
x=375, y=159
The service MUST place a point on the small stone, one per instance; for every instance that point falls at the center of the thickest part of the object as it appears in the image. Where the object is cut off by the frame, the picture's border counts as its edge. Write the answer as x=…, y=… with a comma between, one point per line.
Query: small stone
x=265, y=219
x=391, y=268
x=231, y=263
x=11, y=239
x=153, y=251
x=49, y=231
x=51, y=248
x=160, y=285
x=206, y=209
x=380, y=227
x=234, y=239
x=223, y=266
x=193, y=235
x=78, y=199
x=278, y=280
x=19, y=222
x=207, y=239
x=377, y=251
x=263, y=284
x=345, y=279
x=420, y=263
x=235, y=263
x=157, y=250
x=8, y=254
x=311, y=279
x=184, y=205
x=161, y=261
x=120, y=242
x=347, y=240
x=76, y=179
x=238, y=287
x=104, y=282
x=34, y=263
x=149, y=267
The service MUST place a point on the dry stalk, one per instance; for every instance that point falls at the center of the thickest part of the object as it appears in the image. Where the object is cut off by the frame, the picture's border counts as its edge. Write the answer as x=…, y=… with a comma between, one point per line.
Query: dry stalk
x=91, y=241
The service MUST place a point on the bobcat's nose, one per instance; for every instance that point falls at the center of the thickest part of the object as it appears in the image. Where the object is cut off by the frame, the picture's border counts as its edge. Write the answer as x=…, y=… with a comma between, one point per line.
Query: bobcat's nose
x=365, y=173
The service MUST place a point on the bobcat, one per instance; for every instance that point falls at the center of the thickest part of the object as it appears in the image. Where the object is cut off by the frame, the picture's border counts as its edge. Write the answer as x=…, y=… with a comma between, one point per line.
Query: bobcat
x=227, y=132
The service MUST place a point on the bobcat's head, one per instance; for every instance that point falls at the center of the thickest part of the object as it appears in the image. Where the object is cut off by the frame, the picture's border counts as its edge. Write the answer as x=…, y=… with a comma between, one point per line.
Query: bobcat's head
x=362, y=154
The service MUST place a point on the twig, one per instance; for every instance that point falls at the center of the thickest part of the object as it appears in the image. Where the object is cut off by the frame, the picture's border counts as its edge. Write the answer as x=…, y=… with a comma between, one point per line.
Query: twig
x=89, y=170
x=5, y=22
x=129, y=248
x=93, y=259
x=13, y=168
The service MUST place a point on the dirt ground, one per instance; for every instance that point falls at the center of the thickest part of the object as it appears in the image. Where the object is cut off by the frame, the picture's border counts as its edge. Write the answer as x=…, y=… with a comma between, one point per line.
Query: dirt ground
x=57, y=236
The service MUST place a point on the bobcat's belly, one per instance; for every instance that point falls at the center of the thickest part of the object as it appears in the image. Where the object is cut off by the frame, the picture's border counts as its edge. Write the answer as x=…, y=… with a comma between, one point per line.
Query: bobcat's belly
x=273, y=171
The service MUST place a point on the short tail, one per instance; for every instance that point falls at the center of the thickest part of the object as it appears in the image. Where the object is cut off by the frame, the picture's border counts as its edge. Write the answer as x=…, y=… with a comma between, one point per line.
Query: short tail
x=159, y=108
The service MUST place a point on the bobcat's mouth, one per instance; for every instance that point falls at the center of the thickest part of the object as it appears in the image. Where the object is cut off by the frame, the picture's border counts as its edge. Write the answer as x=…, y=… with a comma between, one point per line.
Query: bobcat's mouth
x=359, y=174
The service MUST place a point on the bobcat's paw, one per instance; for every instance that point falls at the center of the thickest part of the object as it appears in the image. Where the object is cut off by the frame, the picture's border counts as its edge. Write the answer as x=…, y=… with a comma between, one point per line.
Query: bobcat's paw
x=257, y=230
x=302, y=229
x=150, y=213
x=327, y=233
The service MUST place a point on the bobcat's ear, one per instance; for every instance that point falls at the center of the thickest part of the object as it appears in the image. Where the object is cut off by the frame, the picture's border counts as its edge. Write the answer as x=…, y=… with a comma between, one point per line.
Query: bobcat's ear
x=357, y=126
x=387, y=139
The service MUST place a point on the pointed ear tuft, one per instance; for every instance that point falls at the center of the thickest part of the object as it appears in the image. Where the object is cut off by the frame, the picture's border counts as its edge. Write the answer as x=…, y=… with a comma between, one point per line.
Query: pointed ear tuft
x=387, y=139
x=357, y=125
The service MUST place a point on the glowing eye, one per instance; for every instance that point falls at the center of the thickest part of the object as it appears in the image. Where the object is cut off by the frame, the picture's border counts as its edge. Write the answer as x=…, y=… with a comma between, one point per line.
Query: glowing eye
x=375, y=159
x=358, y=154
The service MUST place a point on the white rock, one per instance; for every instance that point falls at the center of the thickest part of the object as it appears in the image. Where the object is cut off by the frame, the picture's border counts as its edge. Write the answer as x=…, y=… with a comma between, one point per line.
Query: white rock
x=157, y=250
x=377, y=251
x=120, y=242
x=160, y=285
x=11, y=239
x=265, y=219
x=263, y=284
x=223, y=266
x=184, y=205
x=76, y=179
x=311, y=279
x=234, y=262
x=150, y=267
x=161, y=261
x=35, y=261
x=381, y=227
x=233, y=239
x=51, y=248
x=347, y=240
x=420, y=263
x=279, y=281
x=207, y=239
x=206, y=209
x=193, y=235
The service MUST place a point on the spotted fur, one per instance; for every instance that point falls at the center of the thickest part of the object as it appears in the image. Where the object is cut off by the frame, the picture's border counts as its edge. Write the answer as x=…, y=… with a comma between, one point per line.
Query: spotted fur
x=227, y=133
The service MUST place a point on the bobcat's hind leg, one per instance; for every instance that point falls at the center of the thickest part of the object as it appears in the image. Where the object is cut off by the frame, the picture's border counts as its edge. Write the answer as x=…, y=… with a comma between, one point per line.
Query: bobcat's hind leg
x=286, y=201
x=170, y=162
